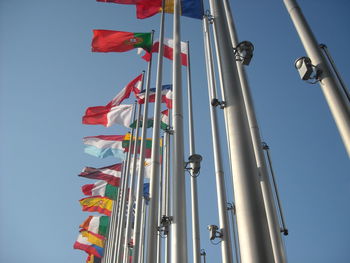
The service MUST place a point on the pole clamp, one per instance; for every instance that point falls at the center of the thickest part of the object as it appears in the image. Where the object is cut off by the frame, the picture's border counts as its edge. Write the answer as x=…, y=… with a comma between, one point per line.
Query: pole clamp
x=231, y=206
x=165, y=222
x=209, y=16
x=195, y=161
x=215, y=102
x=169, y=130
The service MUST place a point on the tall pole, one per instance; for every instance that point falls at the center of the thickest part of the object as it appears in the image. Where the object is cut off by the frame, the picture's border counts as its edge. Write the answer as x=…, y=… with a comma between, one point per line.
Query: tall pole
x=140, y=176
x=132, y=187
x=270, y=208
x=178, y=226
x=252, y=224
x=226, y=246
x=194, y=192
x=152, y=230
x=337, y=102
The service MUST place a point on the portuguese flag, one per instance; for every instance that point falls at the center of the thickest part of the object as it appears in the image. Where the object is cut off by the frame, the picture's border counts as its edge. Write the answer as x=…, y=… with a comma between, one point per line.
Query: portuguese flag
x=119, y=41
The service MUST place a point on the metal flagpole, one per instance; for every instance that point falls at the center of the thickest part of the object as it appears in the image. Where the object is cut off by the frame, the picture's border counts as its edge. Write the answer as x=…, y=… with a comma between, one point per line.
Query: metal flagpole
x=231, y=207
x=160, y=210
x=132, y=187
x=119, y=252
x=111, y=230
x=178, y=226
x=140, y=176
x=226, y=247
x=143, y=228
x=252, y=223
x=337, y=102
x=270, y=208
x=194, y=191
x=152, y=227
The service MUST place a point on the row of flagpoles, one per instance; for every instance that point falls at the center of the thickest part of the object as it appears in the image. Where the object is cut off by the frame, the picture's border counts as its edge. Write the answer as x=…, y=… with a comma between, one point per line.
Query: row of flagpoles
x=139, y=199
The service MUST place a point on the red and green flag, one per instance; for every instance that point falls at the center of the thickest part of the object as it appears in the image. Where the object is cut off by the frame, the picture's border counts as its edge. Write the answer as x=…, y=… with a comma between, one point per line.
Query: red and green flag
x=101, y=188
x=119, y=41
x=96, y=224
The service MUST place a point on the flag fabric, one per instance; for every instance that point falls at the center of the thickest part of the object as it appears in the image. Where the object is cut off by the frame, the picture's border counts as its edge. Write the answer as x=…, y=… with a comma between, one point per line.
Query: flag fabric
x=123, y=2
x=107, y=115
x=167, y=96
x=101, y=188
x=103, y=146
x=96, y=224
x=93, y=238
x=119, y=41
x=82, y=243
x=99, y=204
x=168, y=49
x=163, y=123
x=164, y=119
x=92, y=259
x=110, y=174
x=189, y=8
x=148, y=146
x=132, y=86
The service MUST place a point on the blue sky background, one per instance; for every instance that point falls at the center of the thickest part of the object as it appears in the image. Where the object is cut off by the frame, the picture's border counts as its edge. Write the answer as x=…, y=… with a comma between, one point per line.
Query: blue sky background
x=48, y=77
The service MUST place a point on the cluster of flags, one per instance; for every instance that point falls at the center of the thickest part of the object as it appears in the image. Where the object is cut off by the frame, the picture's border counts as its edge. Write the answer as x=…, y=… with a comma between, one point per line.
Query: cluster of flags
x=104, y=192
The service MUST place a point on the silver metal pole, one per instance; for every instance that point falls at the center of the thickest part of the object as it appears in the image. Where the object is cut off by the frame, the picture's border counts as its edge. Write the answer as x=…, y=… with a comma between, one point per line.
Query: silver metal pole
x=160, y=209
x=143, y=229
x=204, y=254
x=284, y=227
x=140, y=176
x=178, y=226
x=167, y=194
x=110, y=232
x=270, y=208
x=226, y=247
x=252, y=224
x=231, y=208
x=336, y=72
x=152, y=230
x=132, y=188
x=194, y=192
x=337, y=102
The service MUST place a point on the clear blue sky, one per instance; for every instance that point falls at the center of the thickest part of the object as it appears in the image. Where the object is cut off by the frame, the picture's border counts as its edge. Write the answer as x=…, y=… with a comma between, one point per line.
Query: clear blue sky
x=48, y=77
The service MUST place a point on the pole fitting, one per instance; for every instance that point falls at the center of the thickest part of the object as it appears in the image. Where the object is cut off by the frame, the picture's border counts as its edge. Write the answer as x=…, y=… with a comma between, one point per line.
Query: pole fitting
x=169, y=131
x=215, y=102
x=209, y=16
x=307, y=70
x=284, y=231
x=231, y=206
x=195, y=161
x=265, y=146
x=214, y=232
x=165, y=222
x=244, y=52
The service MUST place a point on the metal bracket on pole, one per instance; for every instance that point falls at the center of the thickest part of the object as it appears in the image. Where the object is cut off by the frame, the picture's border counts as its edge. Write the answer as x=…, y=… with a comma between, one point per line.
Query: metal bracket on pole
x=231, y=206
x=209, y=16
x=244, y=52
x=203, y=254
x=215, y=232
x=195, y=160
x=216, y=102
x=163, y=228
x=169, y=131
x=307, y=70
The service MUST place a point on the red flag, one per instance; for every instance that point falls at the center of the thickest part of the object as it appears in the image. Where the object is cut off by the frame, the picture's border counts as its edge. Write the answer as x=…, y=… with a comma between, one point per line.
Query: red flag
x=123, y=2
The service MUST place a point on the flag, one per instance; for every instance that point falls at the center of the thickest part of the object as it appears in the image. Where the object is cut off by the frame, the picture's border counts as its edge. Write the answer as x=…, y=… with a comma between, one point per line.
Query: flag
x=93, y=238
x=167, y=96
x=96, y=224
x=168, y=45
x=99, y=204
x=163, y=122
x=107, y=116
x=104, y=145
x=92, y=259
x=189, y=8
x=101, y=188
x=123, y=2
x=111, y=174
x=132, y=86
x=148, y=145
x=82, y=243
x=119, y=41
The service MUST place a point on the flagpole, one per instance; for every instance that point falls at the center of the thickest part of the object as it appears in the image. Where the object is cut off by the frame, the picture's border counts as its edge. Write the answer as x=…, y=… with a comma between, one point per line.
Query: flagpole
x=178, y=226
x=125, y=191
x=152, y=230
x=160, y=209
x=108, y=241
x=194, y=191
x=226, y=246
x=167, y=212
x=337, y=102
x=140, y=176
x=252, y=223
x=270, y=208
x=132, y=186
x=143, y=228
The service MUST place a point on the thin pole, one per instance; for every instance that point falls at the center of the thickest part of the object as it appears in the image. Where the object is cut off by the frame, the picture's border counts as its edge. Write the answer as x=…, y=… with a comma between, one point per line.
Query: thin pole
x=178, y=226
x=337, y=102
x=226, y=246
x=122, y=213
x=110, y=231
x=284, y=227
x=140, y=176
x=231, y=208
x=252, y=224
x=336, y=72
x=270, y=208
x=160, y=209
x=167, y=212
x=194, y=191
x=152, y=230
x=143, y=228
x=132, y=187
